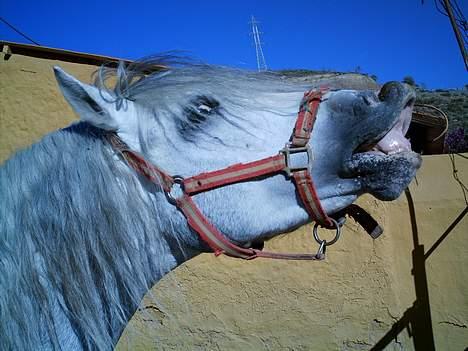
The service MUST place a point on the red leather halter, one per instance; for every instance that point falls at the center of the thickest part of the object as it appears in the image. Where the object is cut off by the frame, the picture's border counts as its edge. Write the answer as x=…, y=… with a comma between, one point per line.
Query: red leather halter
x=299, y=143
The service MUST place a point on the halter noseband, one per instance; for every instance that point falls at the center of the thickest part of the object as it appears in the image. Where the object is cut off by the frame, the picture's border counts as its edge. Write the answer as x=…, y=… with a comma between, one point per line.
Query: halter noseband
x=299, y=143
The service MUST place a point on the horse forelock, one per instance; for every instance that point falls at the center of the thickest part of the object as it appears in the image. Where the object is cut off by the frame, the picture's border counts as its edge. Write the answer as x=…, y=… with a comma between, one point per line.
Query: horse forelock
x=69, y=226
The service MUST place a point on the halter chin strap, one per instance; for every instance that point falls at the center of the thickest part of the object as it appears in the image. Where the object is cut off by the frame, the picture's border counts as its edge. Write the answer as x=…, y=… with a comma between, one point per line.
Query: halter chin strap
x=280, y=163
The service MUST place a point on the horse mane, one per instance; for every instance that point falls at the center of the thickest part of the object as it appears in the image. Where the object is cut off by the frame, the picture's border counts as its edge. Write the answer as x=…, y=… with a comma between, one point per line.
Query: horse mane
x=67, y=225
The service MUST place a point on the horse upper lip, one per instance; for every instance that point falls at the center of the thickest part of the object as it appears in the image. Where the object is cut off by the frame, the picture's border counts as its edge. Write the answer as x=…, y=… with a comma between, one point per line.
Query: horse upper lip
x=394, y=140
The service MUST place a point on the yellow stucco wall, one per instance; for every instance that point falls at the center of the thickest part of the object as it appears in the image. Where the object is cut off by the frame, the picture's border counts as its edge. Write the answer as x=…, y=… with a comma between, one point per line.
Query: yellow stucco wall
x=348, y=302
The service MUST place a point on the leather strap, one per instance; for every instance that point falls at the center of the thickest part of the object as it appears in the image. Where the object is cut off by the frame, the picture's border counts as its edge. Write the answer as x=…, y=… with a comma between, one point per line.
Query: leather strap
x=220, y=244
x=139, y=164
x=306, y=117
x=310, y=199
x=234, y=174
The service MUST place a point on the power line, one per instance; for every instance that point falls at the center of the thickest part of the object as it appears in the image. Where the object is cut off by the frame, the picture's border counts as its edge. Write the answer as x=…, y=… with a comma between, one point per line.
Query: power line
x=443, y=7
x=451, y=9
x=456, y=29
x=19, y=32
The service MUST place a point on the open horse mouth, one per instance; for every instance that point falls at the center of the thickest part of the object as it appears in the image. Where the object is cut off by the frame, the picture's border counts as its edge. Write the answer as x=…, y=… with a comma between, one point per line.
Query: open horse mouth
x=385, y=164
x=393, y=140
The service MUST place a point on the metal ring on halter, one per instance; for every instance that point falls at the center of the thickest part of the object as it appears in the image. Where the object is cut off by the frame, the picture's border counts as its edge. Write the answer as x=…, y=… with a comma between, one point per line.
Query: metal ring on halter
x=338, y=226
x=179, y=180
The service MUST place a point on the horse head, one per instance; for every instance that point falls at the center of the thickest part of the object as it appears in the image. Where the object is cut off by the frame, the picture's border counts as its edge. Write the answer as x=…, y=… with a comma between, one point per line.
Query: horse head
x=201, y=118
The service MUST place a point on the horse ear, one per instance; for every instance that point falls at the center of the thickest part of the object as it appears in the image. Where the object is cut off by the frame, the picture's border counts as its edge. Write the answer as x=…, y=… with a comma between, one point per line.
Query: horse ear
x=93, y=106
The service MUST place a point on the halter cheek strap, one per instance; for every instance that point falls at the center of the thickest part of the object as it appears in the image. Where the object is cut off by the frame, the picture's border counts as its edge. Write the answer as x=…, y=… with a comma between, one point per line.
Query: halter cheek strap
x=280, y=163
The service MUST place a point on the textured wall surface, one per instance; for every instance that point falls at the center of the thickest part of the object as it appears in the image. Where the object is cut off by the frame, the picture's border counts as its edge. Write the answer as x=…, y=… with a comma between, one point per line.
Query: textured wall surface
x=31, y=104
x=351, y=301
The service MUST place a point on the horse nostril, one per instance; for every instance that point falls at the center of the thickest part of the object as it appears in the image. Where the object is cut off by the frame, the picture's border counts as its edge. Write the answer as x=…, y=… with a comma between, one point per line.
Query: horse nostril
x=410, y=102
x=389, y=90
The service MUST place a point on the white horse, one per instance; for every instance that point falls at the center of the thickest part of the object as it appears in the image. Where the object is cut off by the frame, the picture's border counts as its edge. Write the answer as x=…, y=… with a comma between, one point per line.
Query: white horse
x=83, y=236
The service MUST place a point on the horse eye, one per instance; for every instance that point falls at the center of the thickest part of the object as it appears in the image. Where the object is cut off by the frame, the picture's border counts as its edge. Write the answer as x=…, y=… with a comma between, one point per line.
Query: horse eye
x=205, y=105
x=198, y=112
x=204, y=108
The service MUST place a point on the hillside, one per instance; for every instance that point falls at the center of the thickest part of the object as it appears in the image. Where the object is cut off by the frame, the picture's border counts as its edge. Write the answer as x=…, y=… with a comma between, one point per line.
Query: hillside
x=453, y=102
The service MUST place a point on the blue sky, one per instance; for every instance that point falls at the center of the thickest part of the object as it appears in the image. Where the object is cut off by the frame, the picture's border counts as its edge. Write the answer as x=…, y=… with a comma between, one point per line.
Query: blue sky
x=390, y=39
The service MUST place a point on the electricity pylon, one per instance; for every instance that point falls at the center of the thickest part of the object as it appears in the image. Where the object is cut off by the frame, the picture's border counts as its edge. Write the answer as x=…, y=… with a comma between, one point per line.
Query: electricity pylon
x=261, y=64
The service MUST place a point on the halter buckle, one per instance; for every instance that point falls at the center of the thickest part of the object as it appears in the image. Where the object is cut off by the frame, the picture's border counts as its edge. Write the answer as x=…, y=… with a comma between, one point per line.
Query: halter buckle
x=337, y=224
x=289, y=150
x=177, y=189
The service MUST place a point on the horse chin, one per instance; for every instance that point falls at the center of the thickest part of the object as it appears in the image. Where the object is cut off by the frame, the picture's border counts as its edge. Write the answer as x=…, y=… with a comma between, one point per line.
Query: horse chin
x=385, y=176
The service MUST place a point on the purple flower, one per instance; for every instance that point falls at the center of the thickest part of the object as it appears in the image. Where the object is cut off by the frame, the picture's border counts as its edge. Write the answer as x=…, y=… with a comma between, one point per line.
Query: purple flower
x=456, y=141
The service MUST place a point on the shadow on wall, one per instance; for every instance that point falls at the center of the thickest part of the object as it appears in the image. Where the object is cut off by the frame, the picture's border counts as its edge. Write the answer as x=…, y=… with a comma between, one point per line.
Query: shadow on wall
x=417, y=319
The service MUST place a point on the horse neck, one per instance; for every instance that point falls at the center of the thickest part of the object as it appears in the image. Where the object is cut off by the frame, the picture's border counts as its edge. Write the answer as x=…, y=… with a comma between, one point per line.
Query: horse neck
x=94, y=240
